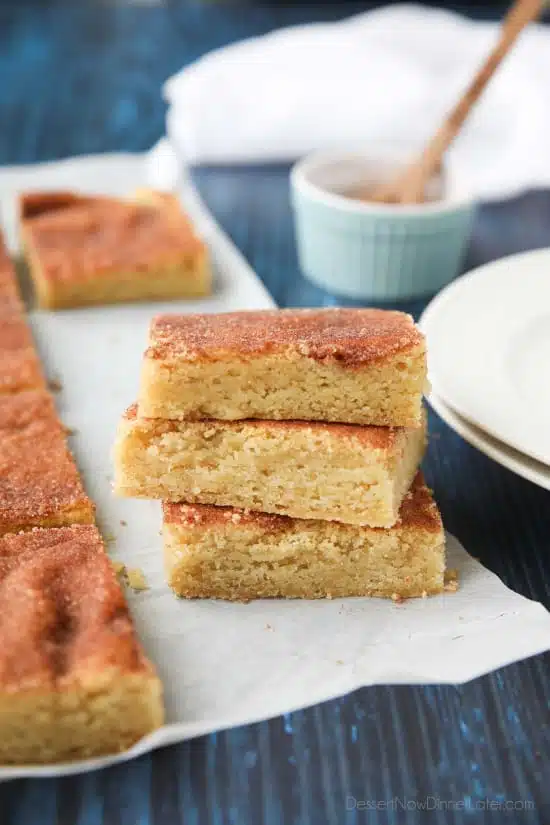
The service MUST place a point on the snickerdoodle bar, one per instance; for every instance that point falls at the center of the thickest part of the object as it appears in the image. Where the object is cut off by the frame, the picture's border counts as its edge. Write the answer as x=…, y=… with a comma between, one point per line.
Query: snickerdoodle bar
x=354, y=366
x=74, y=680
x=310, y=470
x=85, y=250
x=224, y=553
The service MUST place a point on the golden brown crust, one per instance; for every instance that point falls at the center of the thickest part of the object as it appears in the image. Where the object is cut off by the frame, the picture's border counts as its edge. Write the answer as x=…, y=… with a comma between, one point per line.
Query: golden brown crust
x=10, y=300
x=418, y=508
x=18, y=412
x=19, y=364
x=418, y=511
x=15, y=336
x=20, y=371
x=67, y=618
x=75, y=238
x=371, y=437
x=39, y=479
x=5, y=261
x=33, y=204
x=205, y=516
x=351, y=337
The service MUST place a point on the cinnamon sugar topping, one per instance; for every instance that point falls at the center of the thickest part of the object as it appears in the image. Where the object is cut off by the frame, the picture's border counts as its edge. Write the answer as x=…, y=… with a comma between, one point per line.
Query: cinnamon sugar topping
x=51, y=635
x=10, y=300
x=39, y=480
x=19, y=365
x=352, y=337
x=76, y=238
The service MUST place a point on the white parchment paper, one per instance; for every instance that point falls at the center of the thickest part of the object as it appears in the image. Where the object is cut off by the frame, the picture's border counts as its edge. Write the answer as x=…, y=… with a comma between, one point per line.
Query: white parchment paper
x=230, y=664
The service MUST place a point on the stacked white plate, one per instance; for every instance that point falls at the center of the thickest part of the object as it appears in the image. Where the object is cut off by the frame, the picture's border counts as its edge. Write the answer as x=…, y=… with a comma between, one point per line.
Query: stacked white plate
x=488, y=337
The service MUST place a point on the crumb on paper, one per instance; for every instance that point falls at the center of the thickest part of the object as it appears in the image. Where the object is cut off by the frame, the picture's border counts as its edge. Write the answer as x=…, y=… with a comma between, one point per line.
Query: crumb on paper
x=339, y=661
x=136, y=578
x=450, y=581
x=119, y=568
x=268, y=627
x=133, y=577
x=397, y=598
x=55, y=385
x=123, y=523
x=109, y=538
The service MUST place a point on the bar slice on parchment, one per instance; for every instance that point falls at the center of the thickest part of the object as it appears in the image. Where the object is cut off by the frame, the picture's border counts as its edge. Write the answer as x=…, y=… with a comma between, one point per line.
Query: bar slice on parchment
x=225, y=553
x=84, y=250
x=355, y=366
x=74, y=680
x=312, y=470
x=40, y=485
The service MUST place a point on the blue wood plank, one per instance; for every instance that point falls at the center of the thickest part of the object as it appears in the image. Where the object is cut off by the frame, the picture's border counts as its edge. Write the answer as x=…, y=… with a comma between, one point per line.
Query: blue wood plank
x=90, y=801
x=36, y=802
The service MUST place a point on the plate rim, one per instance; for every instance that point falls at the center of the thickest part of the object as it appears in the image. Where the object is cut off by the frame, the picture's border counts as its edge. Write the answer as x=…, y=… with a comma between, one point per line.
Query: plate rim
x=508, y=457
x=432, y=311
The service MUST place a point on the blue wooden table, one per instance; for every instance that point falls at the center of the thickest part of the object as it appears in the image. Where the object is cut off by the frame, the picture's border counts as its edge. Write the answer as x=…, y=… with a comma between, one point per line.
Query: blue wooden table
x=78, y=78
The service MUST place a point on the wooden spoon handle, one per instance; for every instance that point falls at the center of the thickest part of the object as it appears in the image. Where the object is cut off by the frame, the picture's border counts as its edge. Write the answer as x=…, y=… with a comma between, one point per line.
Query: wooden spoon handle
x=411, y=185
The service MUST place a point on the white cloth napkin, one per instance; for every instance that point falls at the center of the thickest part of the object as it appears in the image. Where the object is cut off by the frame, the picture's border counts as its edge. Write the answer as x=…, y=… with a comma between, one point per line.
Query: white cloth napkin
x=387, y=76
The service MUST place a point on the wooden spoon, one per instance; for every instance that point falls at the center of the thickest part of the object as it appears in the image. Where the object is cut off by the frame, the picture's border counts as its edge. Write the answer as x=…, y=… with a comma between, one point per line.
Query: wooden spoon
x=410, y=186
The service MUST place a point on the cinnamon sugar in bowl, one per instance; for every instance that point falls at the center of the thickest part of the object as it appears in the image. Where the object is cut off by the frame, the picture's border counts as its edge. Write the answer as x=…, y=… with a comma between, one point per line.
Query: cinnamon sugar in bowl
x=377, y=251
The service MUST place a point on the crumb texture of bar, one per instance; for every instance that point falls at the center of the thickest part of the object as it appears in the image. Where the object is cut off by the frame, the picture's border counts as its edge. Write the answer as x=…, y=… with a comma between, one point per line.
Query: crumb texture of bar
x=39, y=482
x=74, y=681
x=224, y=553
x=357, y=366
x=85, y=250
x=19, y=365
x=341, y=472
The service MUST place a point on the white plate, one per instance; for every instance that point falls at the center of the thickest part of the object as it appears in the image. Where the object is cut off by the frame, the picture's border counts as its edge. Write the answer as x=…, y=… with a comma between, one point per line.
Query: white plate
x=517, y=462
x=488, y=339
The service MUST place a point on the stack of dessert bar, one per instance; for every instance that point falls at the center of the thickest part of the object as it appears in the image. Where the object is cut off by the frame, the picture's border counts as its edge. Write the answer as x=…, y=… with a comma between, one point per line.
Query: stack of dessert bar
x=285, y=446
x=74, y=681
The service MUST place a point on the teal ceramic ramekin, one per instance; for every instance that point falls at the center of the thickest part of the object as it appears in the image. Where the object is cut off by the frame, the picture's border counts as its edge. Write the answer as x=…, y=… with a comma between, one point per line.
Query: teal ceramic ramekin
x=378, y=252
